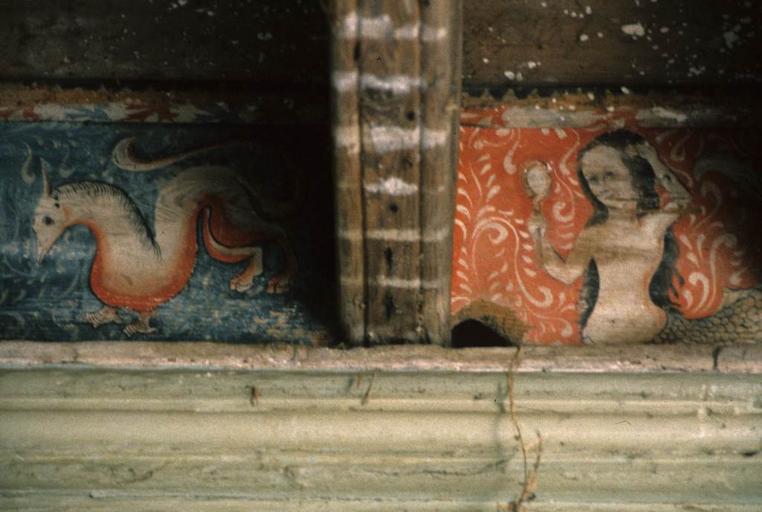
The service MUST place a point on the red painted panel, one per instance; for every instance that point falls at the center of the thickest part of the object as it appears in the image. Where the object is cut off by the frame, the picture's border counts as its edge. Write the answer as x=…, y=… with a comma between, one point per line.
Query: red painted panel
x=701, y=247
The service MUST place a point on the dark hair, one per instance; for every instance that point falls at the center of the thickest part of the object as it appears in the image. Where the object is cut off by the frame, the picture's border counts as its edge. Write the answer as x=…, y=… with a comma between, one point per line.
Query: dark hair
x=663, y=279
x=588, y=294
x=644, y=182
x=641, y=173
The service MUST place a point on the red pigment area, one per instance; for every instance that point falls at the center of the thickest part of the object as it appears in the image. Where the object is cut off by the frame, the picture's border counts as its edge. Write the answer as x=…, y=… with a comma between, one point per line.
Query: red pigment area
x=168, y=285
x=494, y=257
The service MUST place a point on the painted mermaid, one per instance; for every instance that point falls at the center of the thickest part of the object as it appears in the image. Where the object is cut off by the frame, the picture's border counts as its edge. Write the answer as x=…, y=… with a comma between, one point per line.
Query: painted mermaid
x=138, y=267
x=621, y=251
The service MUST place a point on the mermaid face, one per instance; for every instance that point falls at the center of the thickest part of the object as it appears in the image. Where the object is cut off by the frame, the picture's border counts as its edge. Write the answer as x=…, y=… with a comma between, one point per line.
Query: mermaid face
x=608, y=178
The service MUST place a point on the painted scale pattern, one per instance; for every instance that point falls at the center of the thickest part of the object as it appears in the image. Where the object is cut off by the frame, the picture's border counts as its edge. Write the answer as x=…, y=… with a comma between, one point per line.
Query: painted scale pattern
x=51, y=299
x=499, y=278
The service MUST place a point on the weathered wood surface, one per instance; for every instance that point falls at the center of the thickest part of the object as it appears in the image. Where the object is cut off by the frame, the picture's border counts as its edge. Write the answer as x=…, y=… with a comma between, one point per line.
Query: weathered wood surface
x=274, y=43
x=440, y=71
x=391, y=128
x=576, y=107
x=347, y=173
x=611, y=42
x=119, y=502
x=524, y=42
x=395, y=69
x=82, y=438
x=162, y=103
x=678, y=358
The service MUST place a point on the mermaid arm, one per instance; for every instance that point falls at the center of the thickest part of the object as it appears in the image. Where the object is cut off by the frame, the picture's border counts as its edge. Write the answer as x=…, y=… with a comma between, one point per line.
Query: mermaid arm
x=565, y=270
x=679, y=196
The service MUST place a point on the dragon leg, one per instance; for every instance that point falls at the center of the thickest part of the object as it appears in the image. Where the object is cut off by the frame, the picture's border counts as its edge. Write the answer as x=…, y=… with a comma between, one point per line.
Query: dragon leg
x=281, y=281
x=142, y=325
x=245, y=280
x=105, y=315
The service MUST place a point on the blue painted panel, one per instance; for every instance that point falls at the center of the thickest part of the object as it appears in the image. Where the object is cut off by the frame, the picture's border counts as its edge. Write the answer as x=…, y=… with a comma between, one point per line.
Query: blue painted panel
x=93, y=202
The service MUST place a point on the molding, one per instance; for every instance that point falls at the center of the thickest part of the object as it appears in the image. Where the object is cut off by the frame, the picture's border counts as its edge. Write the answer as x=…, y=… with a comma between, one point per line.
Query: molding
x=124, y=502
x=201, y=355
x=83, y=438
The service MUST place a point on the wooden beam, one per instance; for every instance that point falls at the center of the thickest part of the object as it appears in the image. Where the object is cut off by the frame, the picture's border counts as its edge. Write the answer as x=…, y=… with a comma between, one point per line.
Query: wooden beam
x=395, y=75
x=267, y=44
x=519, y=43
x=347, y=171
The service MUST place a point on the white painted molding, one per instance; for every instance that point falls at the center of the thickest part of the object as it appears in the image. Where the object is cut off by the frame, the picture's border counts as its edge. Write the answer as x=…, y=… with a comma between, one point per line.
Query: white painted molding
x=118, y=426
x=686, y=357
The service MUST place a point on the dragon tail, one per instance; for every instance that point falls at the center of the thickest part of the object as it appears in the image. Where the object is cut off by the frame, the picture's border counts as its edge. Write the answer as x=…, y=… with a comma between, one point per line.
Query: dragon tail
x=125, y=158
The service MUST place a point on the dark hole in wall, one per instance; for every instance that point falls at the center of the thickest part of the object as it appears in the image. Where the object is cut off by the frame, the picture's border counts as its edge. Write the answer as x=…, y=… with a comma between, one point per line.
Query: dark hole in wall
x=473, y=333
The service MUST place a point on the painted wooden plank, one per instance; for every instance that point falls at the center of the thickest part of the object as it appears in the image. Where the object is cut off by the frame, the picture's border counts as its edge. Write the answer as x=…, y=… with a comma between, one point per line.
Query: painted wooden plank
x=228, y=390
x=164, y=103
x=121, y=502
x=318, y=438
x=113, y=231
x=677, y=358
x=577, y=107
x=545, y=255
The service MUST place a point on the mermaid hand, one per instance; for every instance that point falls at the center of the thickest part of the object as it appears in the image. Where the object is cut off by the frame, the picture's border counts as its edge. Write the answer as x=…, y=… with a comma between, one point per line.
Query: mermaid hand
x=678, y=195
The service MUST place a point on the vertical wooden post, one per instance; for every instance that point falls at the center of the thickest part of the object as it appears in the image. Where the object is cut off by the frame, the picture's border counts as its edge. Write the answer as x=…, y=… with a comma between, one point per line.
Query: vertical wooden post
x=347, y=168
x=441, y=72
x=396, y=73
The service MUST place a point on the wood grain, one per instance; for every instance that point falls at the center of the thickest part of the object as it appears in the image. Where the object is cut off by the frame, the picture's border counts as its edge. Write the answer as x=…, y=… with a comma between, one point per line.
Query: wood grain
x=395, y=111
x=440, y=108
x=611, y=42
x=278, y=44
x=347, y=174
x=390, y=125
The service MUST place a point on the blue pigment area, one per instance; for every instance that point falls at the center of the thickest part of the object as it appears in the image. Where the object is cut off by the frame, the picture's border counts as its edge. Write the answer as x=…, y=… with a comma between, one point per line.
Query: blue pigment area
x=48, y=301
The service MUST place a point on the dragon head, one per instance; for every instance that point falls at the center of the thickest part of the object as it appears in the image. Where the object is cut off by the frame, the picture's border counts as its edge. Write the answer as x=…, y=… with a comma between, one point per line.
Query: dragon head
x=49, y=219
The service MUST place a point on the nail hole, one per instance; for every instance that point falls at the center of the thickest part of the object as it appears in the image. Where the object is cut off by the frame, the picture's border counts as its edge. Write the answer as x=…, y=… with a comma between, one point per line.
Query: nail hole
x=389, y=257
x=389, y=308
